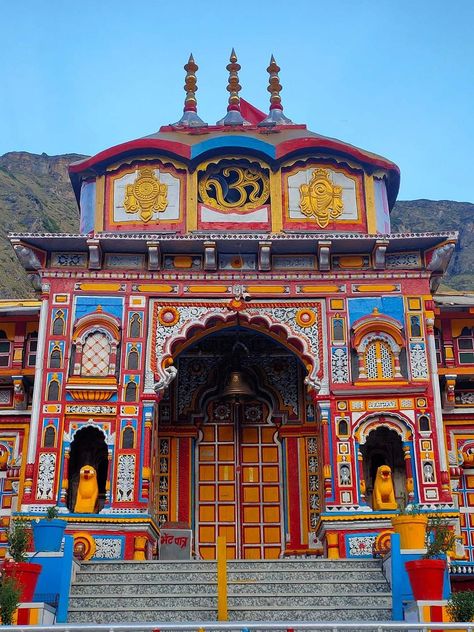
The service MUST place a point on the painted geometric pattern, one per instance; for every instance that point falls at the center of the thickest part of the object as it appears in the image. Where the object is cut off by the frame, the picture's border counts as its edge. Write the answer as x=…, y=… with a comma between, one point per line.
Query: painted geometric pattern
x=96, y=355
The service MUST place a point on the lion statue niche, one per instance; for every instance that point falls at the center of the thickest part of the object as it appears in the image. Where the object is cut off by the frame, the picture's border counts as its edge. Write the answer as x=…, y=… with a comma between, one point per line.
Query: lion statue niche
x=87, y=490
x=383, y=497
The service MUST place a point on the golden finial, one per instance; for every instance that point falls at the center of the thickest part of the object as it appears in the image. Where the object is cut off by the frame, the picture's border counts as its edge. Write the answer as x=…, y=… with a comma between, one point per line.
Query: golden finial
x=233, y=116
x=276, y=116
x=190, y=117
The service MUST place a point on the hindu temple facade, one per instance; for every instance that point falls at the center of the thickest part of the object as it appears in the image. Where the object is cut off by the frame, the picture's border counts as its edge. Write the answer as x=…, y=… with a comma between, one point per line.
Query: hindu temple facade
x=235, y=343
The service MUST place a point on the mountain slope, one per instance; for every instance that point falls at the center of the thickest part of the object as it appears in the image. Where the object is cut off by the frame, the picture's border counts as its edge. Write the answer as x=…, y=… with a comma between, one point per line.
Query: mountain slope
x=36, y=196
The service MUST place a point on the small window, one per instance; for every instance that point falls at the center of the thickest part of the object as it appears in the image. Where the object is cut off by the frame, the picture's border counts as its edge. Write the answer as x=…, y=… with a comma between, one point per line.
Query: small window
x=50, y=437
x=55, y=358
x=5, y=349
x=338, y=329
x=31, y=349
x=465, y=344
x=424, y=423
x=415, y=326
x=438, y=346
x=342, y=428
x=128, y=438
x=53, y=391
x=132, y=360
x=58, y=323
x=131, y=392
x=135, y=325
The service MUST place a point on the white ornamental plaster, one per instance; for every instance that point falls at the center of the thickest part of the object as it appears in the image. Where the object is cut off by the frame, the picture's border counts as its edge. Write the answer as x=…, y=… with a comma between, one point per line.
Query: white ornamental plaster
x=46, y=469
x=125, y=477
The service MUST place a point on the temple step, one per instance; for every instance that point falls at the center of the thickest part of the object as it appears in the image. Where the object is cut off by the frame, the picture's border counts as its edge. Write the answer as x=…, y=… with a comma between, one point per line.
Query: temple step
x=280, y=590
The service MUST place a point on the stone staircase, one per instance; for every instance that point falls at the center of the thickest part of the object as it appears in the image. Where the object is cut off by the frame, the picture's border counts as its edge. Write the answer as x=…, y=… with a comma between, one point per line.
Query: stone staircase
x=261, y=590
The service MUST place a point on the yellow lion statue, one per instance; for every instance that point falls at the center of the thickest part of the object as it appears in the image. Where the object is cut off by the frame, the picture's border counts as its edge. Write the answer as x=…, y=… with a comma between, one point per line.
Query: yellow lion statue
x=87, y=491
x=384, y=494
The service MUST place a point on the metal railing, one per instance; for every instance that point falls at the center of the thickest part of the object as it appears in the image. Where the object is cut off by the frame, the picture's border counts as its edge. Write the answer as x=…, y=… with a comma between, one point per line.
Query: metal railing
x=250, y=626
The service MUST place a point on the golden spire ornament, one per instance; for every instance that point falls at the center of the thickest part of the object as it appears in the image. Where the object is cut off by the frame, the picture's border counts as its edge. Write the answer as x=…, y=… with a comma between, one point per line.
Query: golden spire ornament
x=233, y=116
x=190, y=117
x=276, y=116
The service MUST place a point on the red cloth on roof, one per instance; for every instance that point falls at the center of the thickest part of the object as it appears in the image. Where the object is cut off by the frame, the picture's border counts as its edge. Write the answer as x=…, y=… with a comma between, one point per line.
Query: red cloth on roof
x=251, y=113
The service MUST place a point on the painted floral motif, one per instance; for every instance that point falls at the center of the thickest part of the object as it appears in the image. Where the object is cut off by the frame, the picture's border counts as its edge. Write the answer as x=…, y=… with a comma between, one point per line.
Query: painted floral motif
x=361, y=546
x=125, y=477
x=339, y=365
x=108, y=548
x=419, y=368
x=46, y=469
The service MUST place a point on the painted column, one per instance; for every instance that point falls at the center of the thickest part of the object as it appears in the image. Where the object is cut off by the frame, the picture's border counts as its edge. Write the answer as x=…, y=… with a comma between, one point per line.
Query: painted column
x=438, y=410
x=146, y=468
x=328, y=483
x=36, y=403
x=409, y=472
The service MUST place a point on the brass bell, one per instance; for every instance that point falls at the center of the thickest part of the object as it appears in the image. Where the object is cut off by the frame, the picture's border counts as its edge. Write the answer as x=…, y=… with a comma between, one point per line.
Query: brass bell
x=237, y=386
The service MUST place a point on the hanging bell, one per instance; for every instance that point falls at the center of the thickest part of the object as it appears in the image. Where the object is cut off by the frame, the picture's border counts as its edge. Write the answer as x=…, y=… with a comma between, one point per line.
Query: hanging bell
x=237, y=386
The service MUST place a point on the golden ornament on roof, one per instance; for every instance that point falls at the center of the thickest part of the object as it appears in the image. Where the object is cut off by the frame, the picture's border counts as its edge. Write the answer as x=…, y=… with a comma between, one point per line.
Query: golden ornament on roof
x=234, y=187
x=321, y=199
x=146, y=195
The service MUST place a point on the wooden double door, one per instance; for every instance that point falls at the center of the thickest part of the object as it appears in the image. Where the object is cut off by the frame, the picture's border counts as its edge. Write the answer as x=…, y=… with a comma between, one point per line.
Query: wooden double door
x=239, y=484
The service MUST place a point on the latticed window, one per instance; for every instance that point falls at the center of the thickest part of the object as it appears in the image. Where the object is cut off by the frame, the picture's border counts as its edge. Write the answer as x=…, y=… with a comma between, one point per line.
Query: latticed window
x=96, y=355
x=379, y=360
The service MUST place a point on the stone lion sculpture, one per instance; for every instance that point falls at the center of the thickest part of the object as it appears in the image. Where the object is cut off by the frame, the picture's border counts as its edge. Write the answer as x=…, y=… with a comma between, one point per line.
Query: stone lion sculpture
x=87, y=490
x=384, y=495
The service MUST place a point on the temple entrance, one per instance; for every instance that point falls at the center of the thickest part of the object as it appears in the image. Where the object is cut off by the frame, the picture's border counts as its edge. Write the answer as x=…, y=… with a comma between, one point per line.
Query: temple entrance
x=228, y=430
x=238, y=482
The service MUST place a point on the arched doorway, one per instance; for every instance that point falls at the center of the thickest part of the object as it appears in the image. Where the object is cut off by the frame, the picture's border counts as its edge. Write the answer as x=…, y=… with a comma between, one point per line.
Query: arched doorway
x=384, y=447
x=236, y=483
x=88, y=448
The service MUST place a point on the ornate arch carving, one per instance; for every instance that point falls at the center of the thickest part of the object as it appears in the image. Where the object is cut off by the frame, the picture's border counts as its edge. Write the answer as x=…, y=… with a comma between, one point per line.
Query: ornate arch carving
x=298, y=326
x=394, y=421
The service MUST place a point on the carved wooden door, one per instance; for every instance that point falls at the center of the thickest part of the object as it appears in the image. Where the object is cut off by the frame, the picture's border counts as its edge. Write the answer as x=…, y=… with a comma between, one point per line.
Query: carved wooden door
x=238, y=483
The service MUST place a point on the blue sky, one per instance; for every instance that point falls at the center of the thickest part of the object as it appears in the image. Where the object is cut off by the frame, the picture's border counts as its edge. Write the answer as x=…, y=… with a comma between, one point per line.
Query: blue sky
x=392, y=76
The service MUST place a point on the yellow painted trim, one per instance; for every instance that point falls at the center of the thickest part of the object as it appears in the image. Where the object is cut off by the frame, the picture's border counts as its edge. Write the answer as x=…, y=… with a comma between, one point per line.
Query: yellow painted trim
x=151, y=287
x=370, y=204
x=371, y=516
x=276, y=201
x=222, y=613
x=266, y=289
x=377, y=288
x=319, y=289
x=34, y=616
x=8, y=303
x=191, y=202
x=458, y=370
x=101, y=287
x=99, y=203
x=208, y=289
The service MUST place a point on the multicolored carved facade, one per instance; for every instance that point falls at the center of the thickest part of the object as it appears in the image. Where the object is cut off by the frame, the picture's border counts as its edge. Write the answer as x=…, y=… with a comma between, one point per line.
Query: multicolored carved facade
x=256, y=252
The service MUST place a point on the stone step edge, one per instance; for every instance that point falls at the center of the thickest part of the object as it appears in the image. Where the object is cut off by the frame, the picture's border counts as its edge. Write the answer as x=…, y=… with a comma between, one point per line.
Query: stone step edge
x=127, y=595
x=246, y=582
x=323, y=560
x=179, y=571
x=234, y=609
